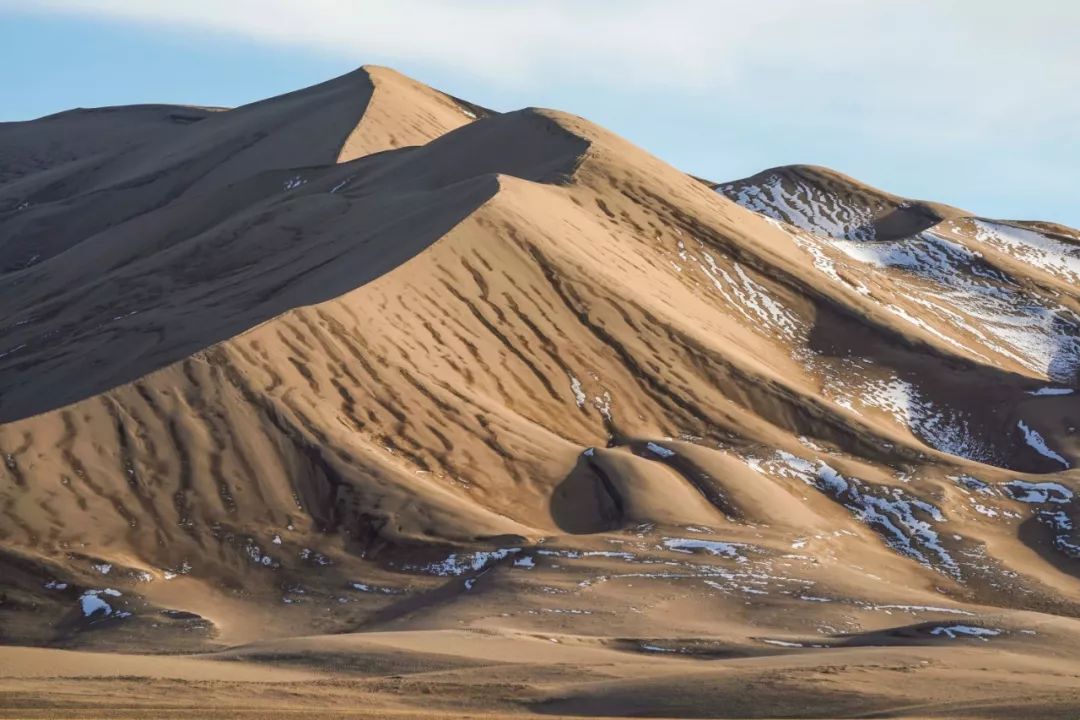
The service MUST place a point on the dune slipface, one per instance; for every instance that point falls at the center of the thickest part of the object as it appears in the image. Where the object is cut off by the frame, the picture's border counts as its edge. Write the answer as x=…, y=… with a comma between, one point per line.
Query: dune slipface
x=395, y=400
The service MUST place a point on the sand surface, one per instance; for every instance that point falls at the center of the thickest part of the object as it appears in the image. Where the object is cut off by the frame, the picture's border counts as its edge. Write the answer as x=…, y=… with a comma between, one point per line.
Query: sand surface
x=367, y=401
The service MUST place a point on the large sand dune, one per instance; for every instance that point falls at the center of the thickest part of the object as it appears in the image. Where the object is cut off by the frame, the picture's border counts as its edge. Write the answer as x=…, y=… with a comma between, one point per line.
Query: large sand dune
x=368, y=394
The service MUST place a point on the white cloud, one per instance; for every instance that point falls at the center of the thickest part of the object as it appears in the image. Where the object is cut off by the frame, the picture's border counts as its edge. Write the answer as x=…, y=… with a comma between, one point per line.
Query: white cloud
x=695, y=44
x=878, y=56
x=974, y=74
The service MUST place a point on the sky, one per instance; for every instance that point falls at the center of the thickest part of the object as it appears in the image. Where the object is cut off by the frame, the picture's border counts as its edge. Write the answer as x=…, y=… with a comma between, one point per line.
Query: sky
x=975, y=103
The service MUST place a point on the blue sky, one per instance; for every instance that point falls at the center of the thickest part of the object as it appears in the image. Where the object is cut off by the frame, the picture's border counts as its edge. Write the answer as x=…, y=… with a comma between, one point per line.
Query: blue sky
x=970, y=102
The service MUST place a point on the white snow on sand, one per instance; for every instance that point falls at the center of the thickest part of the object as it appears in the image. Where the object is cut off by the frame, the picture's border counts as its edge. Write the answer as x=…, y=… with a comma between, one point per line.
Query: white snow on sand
x=963, y=300
x=905, y=521
x=954, y=631
x=937, y=425
x=1051, y=391
x=922, y=608
x=459, y=564
x=660, y=450
x=783, y=643
x=1032, y=247
x=92, y=603
x=1036, y=441
x=710, y=546
x=748, y=297
x=579, y=395
x=1038, y=492
x=364, y=587
x=806, y=207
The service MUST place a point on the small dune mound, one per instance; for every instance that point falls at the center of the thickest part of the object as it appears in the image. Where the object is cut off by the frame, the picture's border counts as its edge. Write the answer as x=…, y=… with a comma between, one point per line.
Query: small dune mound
x=821, y=200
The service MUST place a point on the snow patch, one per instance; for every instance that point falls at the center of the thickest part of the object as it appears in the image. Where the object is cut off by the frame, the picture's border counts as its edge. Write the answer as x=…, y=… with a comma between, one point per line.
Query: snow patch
x=1038, y=492
x=92, y=603
x=363, y=587
x=461, y=563
x=1051, y=391
x=953, y=631
x=1036, y=441
x=660, y=450
x=1034, y=248
x=712, y=547
x=579, y=394
x=939, y=426
x=897, y=515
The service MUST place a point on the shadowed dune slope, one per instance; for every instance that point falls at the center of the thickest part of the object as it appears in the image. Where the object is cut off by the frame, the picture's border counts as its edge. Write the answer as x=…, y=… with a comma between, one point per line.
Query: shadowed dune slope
x=246, y=241
x=63, y=190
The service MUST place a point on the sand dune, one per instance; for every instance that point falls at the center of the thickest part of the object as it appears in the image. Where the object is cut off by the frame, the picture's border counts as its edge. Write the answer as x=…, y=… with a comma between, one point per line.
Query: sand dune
x=370, y=383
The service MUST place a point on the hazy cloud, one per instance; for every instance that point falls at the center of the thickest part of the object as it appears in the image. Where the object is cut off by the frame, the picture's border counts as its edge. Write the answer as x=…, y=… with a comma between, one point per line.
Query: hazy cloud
x=972, y=74
x=695, y=44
